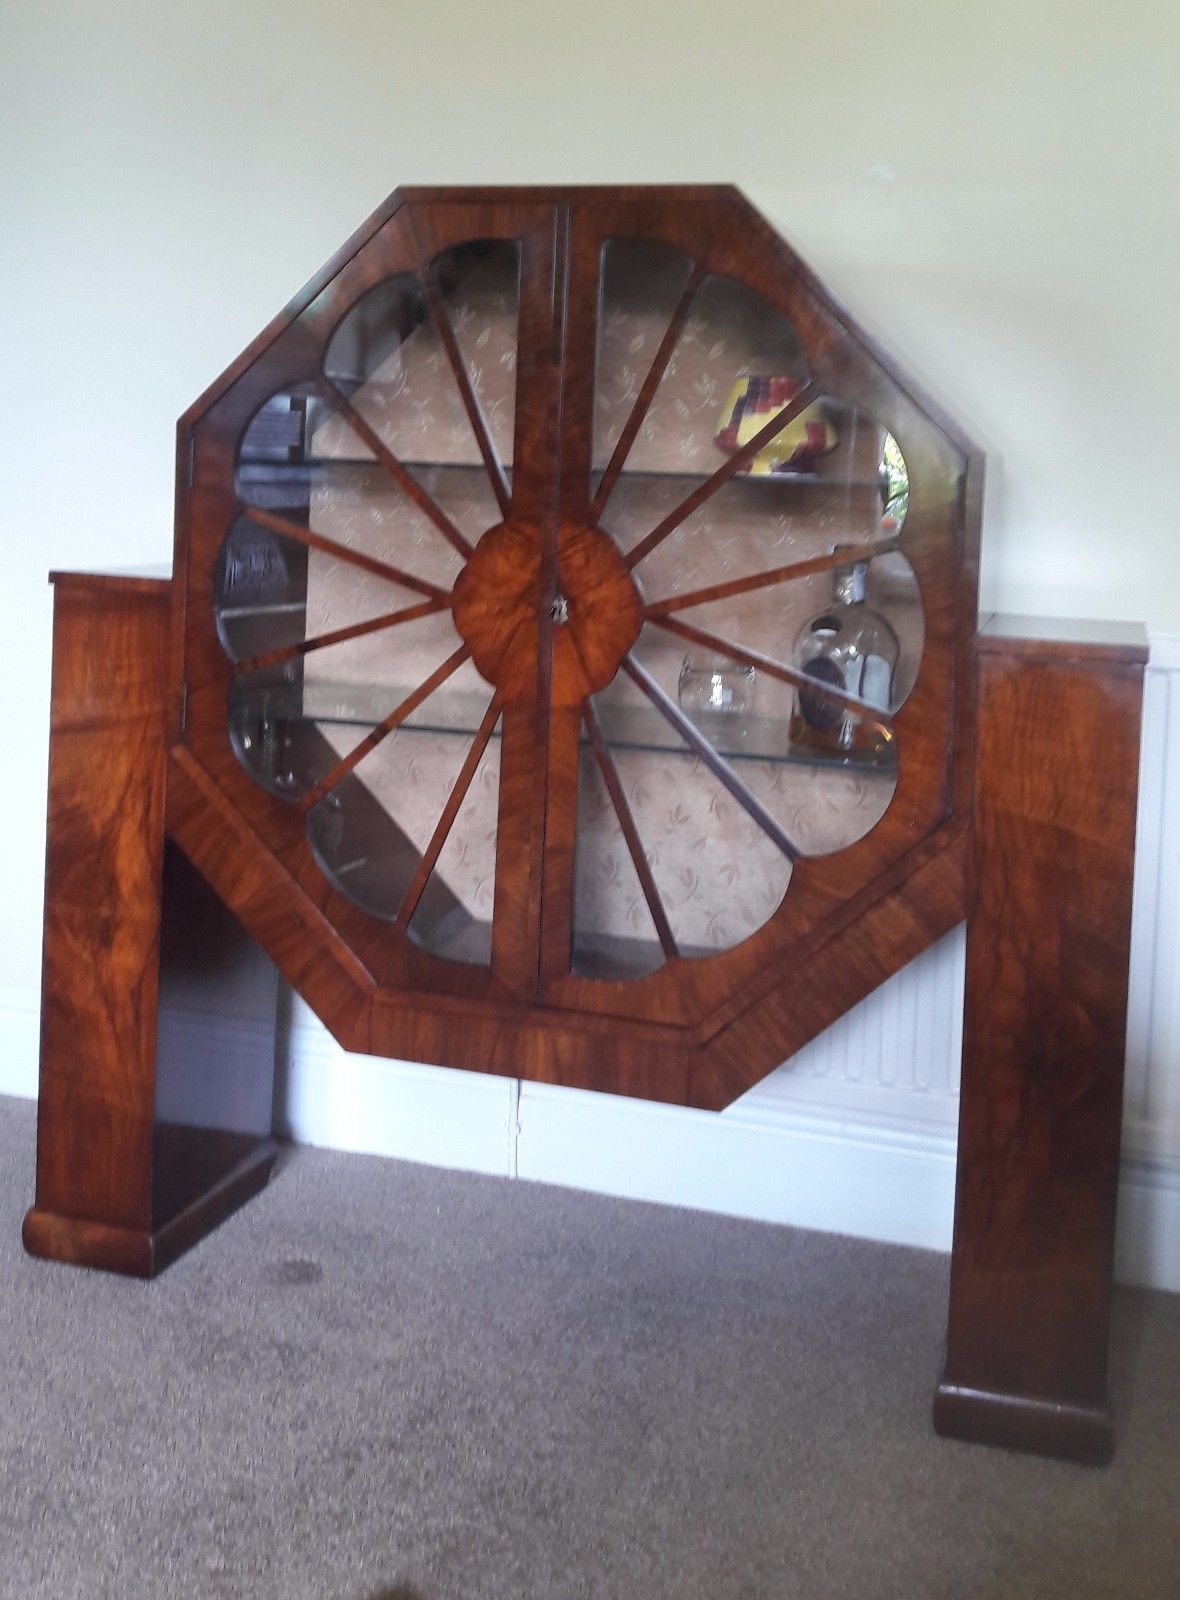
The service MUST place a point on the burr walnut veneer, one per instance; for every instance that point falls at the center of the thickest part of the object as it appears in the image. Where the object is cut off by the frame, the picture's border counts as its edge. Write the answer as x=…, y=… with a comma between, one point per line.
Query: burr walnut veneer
x=568, y=670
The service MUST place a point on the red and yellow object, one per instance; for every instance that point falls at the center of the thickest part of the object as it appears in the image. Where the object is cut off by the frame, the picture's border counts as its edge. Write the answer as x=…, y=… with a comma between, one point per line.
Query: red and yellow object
x=752, y=402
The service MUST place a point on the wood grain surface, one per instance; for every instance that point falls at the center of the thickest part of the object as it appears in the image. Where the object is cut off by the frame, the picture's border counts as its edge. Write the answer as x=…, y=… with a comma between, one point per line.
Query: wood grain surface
x=1044, y=1036
x=102, y=1198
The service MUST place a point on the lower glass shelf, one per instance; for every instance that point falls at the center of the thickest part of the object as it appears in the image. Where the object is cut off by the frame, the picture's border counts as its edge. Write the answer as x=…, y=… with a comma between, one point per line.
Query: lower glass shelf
x=403, y=820
x=734, y=736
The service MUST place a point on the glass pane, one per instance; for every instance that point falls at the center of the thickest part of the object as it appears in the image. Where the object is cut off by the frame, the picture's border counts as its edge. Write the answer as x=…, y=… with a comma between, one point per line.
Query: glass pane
x=737, y=362
x=855, y=493
x=366, y=345
x=260, y=591
x=464, y=494
x=729, y=772
x=872, y=606
x=369, y=831
x=302, y=461
x=642, y=282
x=733, y=768
x=366, y=511
x=480, y=285
x=346, y=550
x=285, y=447
x=824, y=787
x=384, y=666
x=371, y=827
x=466, y=870
x=280, y=744
x=323, y=703
x=846, y=618
x=388, y=357
x=717, y=874
x=614, y=935
x=272, y=593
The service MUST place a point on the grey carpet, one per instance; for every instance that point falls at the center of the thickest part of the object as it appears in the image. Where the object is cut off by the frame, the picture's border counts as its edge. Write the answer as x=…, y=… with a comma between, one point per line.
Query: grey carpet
x=381, y=1380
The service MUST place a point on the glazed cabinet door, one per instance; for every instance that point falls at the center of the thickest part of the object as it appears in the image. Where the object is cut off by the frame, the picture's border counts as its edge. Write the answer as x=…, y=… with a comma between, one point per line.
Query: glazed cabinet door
x=372, y=504
x=756, y=558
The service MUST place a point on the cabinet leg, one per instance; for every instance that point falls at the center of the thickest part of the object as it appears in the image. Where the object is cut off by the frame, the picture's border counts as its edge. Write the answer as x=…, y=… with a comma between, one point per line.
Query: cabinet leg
x=117, y=1187
x=1044, y=1038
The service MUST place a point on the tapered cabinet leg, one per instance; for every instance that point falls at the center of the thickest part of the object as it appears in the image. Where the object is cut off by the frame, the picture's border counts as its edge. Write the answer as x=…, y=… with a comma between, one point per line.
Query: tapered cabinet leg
x=1044, y=1038
x=118, y=1187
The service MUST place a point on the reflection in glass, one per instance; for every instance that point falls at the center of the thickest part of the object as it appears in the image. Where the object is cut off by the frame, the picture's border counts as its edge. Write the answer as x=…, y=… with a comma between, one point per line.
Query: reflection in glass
x=260, y=591
x=368, y=340
x=283, y=748
x=370, y=830
x=285, y=448
x=895, y=485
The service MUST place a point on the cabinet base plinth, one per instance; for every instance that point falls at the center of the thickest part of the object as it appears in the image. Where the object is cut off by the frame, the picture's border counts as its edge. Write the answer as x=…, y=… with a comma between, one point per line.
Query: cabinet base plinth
x=144, y=1252
x=1015, y=1422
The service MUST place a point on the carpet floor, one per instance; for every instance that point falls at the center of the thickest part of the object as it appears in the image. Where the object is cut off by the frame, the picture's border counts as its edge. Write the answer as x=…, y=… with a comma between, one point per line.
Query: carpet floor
x=385, y=1382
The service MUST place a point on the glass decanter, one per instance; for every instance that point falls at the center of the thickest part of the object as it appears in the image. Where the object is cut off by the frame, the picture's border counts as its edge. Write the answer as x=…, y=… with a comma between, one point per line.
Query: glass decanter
x=848, y=646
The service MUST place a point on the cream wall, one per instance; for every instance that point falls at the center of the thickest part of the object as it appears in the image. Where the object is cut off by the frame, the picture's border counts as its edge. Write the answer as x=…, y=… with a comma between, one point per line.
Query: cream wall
x=992, y=189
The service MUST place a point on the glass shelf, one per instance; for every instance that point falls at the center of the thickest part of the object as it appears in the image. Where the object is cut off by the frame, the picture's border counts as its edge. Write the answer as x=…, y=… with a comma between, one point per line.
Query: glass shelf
x=262, y=471
x=793, y=479
x=735, y=737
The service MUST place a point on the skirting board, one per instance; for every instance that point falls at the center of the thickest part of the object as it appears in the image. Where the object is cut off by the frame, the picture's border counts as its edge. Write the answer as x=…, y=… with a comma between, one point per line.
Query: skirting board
x=20, y=1040
x=801, y=1168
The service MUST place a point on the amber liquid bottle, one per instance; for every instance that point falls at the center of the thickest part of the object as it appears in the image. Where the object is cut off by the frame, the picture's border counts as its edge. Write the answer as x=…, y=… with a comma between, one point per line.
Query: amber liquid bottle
x=848, y=647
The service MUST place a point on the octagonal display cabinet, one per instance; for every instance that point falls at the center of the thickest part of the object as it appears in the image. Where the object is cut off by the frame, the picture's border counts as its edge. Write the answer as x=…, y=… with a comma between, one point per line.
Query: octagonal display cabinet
x=569, y=670
x=572, y=633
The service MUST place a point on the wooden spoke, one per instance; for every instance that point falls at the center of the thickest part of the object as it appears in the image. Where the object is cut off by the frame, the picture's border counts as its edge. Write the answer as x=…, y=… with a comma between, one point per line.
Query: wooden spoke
x=357, y=630
x=446, y=332
x=352, y=558
x=614, y=787
x=405, y=480
x=384, y=729
x=873, y=715
x=647, y=393
x=727, y=470
x=765, y=580
x=716, y=763
x=450, y=811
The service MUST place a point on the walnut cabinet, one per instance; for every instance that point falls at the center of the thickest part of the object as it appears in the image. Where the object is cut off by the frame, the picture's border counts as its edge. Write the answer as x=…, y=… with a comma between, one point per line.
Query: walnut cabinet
x=568, y=670
x=451, y=535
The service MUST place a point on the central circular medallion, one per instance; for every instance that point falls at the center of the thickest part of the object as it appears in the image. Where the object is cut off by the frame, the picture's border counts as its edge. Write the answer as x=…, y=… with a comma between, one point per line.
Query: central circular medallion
x=592, y=610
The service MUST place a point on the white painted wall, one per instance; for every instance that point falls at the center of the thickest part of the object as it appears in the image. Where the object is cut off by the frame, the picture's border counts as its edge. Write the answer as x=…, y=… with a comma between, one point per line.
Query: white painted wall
x=990, y=188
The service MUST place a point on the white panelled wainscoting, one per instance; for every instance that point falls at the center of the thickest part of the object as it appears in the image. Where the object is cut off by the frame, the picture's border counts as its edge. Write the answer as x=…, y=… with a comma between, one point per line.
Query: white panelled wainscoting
x=856, y=1134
